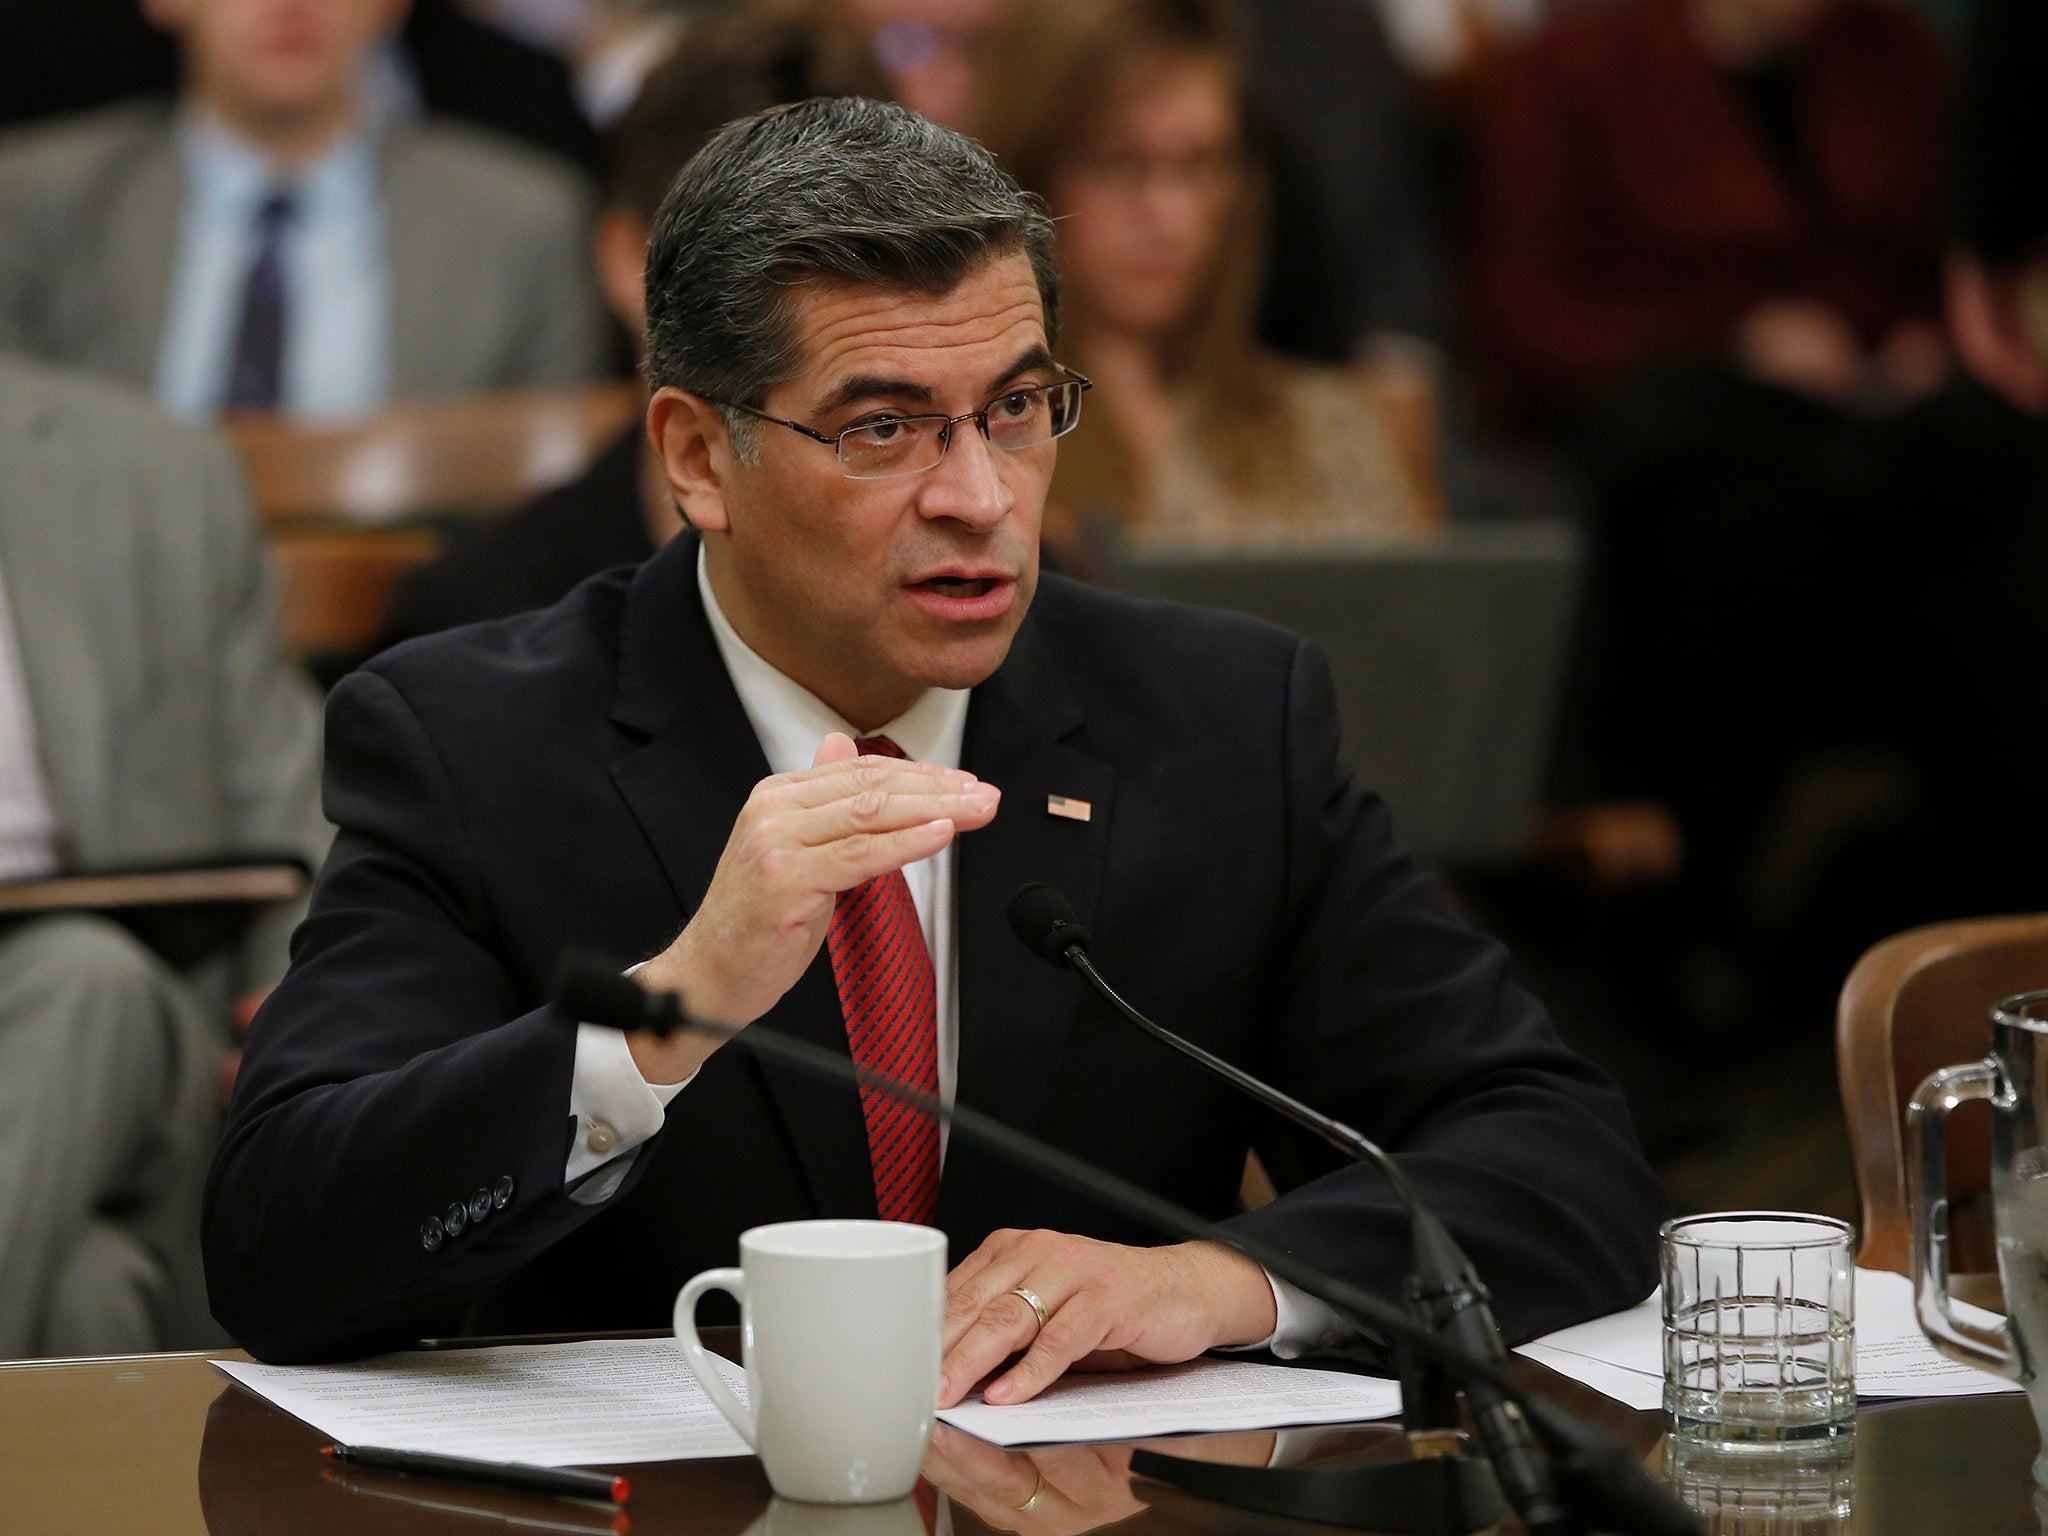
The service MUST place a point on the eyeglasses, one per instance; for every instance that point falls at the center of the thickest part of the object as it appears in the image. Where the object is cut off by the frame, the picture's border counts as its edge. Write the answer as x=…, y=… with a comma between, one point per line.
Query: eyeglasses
x=885, y=446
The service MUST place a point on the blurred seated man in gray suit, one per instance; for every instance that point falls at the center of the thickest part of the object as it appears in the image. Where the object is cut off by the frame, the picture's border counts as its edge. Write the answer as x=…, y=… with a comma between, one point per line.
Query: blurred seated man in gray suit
x=147, y=716
x=267, y=243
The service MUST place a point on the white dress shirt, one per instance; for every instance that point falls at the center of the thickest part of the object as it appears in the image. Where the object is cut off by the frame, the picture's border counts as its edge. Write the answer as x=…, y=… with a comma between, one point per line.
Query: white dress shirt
x=337, y=322
x=28, y=825
x=616, y=1109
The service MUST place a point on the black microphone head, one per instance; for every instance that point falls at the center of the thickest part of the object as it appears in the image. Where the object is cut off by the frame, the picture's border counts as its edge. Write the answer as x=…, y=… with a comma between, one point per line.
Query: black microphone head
x=591, y=990
x=1045, y=923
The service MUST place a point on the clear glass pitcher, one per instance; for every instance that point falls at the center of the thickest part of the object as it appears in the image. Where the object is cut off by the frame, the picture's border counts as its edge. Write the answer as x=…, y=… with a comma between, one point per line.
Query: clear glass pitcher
x=2014, y=1078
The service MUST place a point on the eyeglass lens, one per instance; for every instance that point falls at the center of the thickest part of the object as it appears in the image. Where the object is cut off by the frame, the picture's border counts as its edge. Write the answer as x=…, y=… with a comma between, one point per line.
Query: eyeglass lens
x=906, y=445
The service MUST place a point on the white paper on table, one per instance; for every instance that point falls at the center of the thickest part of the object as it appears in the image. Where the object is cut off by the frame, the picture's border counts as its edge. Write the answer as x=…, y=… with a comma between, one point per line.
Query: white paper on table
x=550, y=1405
x=1893, y=1357
x=1163, y=1400
x=1617, y=1381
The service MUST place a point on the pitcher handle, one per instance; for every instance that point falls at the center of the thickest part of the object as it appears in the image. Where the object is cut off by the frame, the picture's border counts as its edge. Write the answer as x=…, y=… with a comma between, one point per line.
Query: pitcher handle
x=1987, y=1348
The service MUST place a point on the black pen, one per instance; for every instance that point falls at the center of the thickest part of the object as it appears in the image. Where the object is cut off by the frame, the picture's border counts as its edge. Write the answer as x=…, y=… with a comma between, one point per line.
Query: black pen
x=566, y=1482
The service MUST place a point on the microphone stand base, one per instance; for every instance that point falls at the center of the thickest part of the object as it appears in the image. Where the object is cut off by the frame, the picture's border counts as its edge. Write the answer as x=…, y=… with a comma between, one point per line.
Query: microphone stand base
x=1414, y=1496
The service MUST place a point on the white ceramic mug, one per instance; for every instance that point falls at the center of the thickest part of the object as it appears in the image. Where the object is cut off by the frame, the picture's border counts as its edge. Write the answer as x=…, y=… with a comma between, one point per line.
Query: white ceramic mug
x=840, y=1330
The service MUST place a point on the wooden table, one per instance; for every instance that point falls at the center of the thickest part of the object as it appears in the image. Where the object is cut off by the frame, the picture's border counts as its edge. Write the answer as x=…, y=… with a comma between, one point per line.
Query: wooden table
x=164, y=1445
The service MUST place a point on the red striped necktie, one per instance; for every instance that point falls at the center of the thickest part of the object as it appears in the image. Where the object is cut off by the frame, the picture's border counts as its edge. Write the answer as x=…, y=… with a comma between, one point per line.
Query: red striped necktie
x=884, y=971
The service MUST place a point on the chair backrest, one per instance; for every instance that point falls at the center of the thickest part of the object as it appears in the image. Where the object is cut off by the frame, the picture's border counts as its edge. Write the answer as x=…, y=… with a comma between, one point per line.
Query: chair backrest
x=1916, y=1002
x=467, y=455
x=1448, y=654
x=335, y=584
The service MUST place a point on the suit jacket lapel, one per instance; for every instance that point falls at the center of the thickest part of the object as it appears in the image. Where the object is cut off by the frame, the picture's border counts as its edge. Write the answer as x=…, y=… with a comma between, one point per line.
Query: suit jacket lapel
x=1015, y=1010
x=686, y=782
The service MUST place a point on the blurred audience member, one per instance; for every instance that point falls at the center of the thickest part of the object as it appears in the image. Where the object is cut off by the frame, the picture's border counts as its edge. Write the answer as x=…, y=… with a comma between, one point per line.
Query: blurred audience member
x=1998, y=278
x=1710, y=238
x=269, y=245
x=64, y=56
x=1751, y=180
x=1125, y=115
x=935, y=53
x=1985, y=698
x=147, y=716
x=621, y=42
x=620, y=510
x=1352, y=254
x=1452, y=41
x=453, y=65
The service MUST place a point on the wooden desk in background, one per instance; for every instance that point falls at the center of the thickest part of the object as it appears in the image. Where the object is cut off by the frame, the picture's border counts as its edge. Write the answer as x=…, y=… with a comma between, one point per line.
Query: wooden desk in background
x=164, y=1445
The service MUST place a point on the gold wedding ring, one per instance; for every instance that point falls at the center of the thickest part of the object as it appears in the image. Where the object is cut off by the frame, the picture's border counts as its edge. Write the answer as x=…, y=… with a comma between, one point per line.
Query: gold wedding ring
x=1030, y=1299
x=1039, y=1492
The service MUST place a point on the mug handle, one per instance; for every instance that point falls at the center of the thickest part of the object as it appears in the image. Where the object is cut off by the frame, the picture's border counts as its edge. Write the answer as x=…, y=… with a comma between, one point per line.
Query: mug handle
x=1987, y=1348
x=734, y=1282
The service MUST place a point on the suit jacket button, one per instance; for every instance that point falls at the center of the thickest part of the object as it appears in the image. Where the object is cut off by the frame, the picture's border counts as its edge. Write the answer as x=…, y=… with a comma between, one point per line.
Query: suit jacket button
x=430, y=1233
x=479, y=1206
x=455, y=1218
x=602, y=1138
x=502, y=1195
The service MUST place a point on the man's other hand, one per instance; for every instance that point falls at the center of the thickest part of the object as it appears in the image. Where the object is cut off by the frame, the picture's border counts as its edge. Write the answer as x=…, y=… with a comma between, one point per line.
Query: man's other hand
x=800, y=840
x=1108, y=1308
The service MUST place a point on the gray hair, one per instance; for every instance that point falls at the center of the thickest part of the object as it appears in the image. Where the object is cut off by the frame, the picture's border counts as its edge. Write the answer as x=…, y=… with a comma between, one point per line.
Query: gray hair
x=845, y=189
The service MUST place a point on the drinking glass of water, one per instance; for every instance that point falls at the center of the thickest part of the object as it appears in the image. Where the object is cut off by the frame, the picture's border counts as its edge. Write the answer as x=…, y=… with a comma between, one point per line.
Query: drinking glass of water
x=1759, y=1329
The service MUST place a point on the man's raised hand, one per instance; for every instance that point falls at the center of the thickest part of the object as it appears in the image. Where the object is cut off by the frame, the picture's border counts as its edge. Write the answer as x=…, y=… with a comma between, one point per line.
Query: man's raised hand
x=800, y=840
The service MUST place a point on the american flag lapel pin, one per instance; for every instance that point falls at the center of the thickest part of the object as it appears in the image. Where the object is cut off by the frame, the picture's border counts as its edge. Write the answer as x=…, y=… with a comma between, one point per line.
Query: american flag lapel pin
x=1073, y=810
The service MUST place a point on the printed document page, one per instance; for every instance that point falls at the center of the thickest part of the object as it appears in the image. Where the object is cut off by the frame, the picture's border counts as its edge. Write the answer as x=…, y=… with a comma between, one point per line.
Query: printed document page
x=1200, y=1395
x=624, y=1400
x=550, y=1405
x=1622, y=1354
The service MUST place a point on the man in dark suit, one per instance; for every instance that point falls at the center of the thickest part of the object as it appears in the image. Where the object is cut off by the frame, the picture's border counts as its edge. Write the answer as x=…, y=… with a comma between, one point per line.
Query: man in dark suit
x=851, y=320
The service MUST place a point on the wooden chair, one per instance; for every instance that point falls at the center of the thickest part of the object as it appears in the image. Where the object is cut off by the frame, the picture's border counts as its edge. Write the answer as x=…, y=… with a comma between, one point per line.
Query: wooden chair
x=465, y=456
x=1916, y=1002
x=335, y=584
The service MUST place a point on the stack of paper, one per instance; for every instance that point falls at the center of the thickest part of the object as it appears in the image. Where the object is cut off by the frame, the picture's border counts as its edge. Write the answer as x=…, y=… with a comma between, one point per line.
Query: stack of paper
x=549, y=1405
x=1623, y=1355
x=625, y=1400
x=1173, y=1399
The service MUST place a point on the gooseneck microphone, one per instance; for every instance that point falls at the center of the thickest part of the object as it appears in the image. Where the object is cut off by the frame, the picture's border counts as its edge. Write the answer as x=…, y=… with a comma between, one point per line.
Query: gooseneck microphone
x=1610, y=1490
x=1444, y=1287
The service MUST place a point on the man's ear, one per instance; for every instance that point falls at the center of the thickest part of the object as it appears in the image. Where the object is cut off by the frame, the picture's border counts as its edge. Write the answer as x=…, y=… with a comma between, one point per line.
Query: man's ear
x=690, y=439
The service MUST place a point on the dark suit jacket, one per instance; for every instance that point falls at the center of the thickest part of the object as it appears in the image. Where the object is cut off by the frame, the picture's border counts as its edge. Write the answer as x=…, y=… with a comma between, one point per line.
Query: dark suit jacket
x=568, y=778
x=1629, y=209
x=531, y=557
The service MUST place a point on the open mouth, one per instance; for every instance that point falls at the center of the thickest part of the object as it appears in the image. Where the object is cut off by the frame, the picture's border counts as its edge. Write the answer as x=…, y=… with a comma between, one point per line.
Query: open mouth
x=959, y=586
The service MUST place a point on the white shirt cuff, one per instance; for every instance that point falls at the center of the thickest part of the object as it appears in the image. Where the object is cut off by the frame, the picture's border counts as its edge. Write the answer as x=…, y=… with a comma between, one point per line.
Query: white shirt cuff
x=615, y=1108
x=1302, y=1322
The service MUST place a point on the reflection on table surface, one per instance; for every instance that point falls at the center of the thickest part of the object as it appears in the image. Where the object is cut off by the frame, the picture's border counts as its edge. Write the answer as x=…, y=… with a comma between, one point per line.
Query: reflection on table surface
x=165, y=1444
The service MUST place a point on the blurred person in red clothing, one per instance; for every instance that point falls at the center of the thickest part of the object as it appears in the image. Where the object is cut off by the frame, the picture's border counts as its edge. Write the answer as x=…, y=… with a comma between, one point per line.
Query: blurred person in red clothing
x=1708, y=256
x=1752, y=182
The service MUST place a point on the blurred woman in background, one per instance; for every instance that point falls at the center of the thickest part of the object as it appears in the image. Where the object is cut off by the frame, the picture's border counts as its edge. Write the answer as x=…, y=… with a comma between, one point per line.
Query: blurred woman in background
x=1125, y=116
